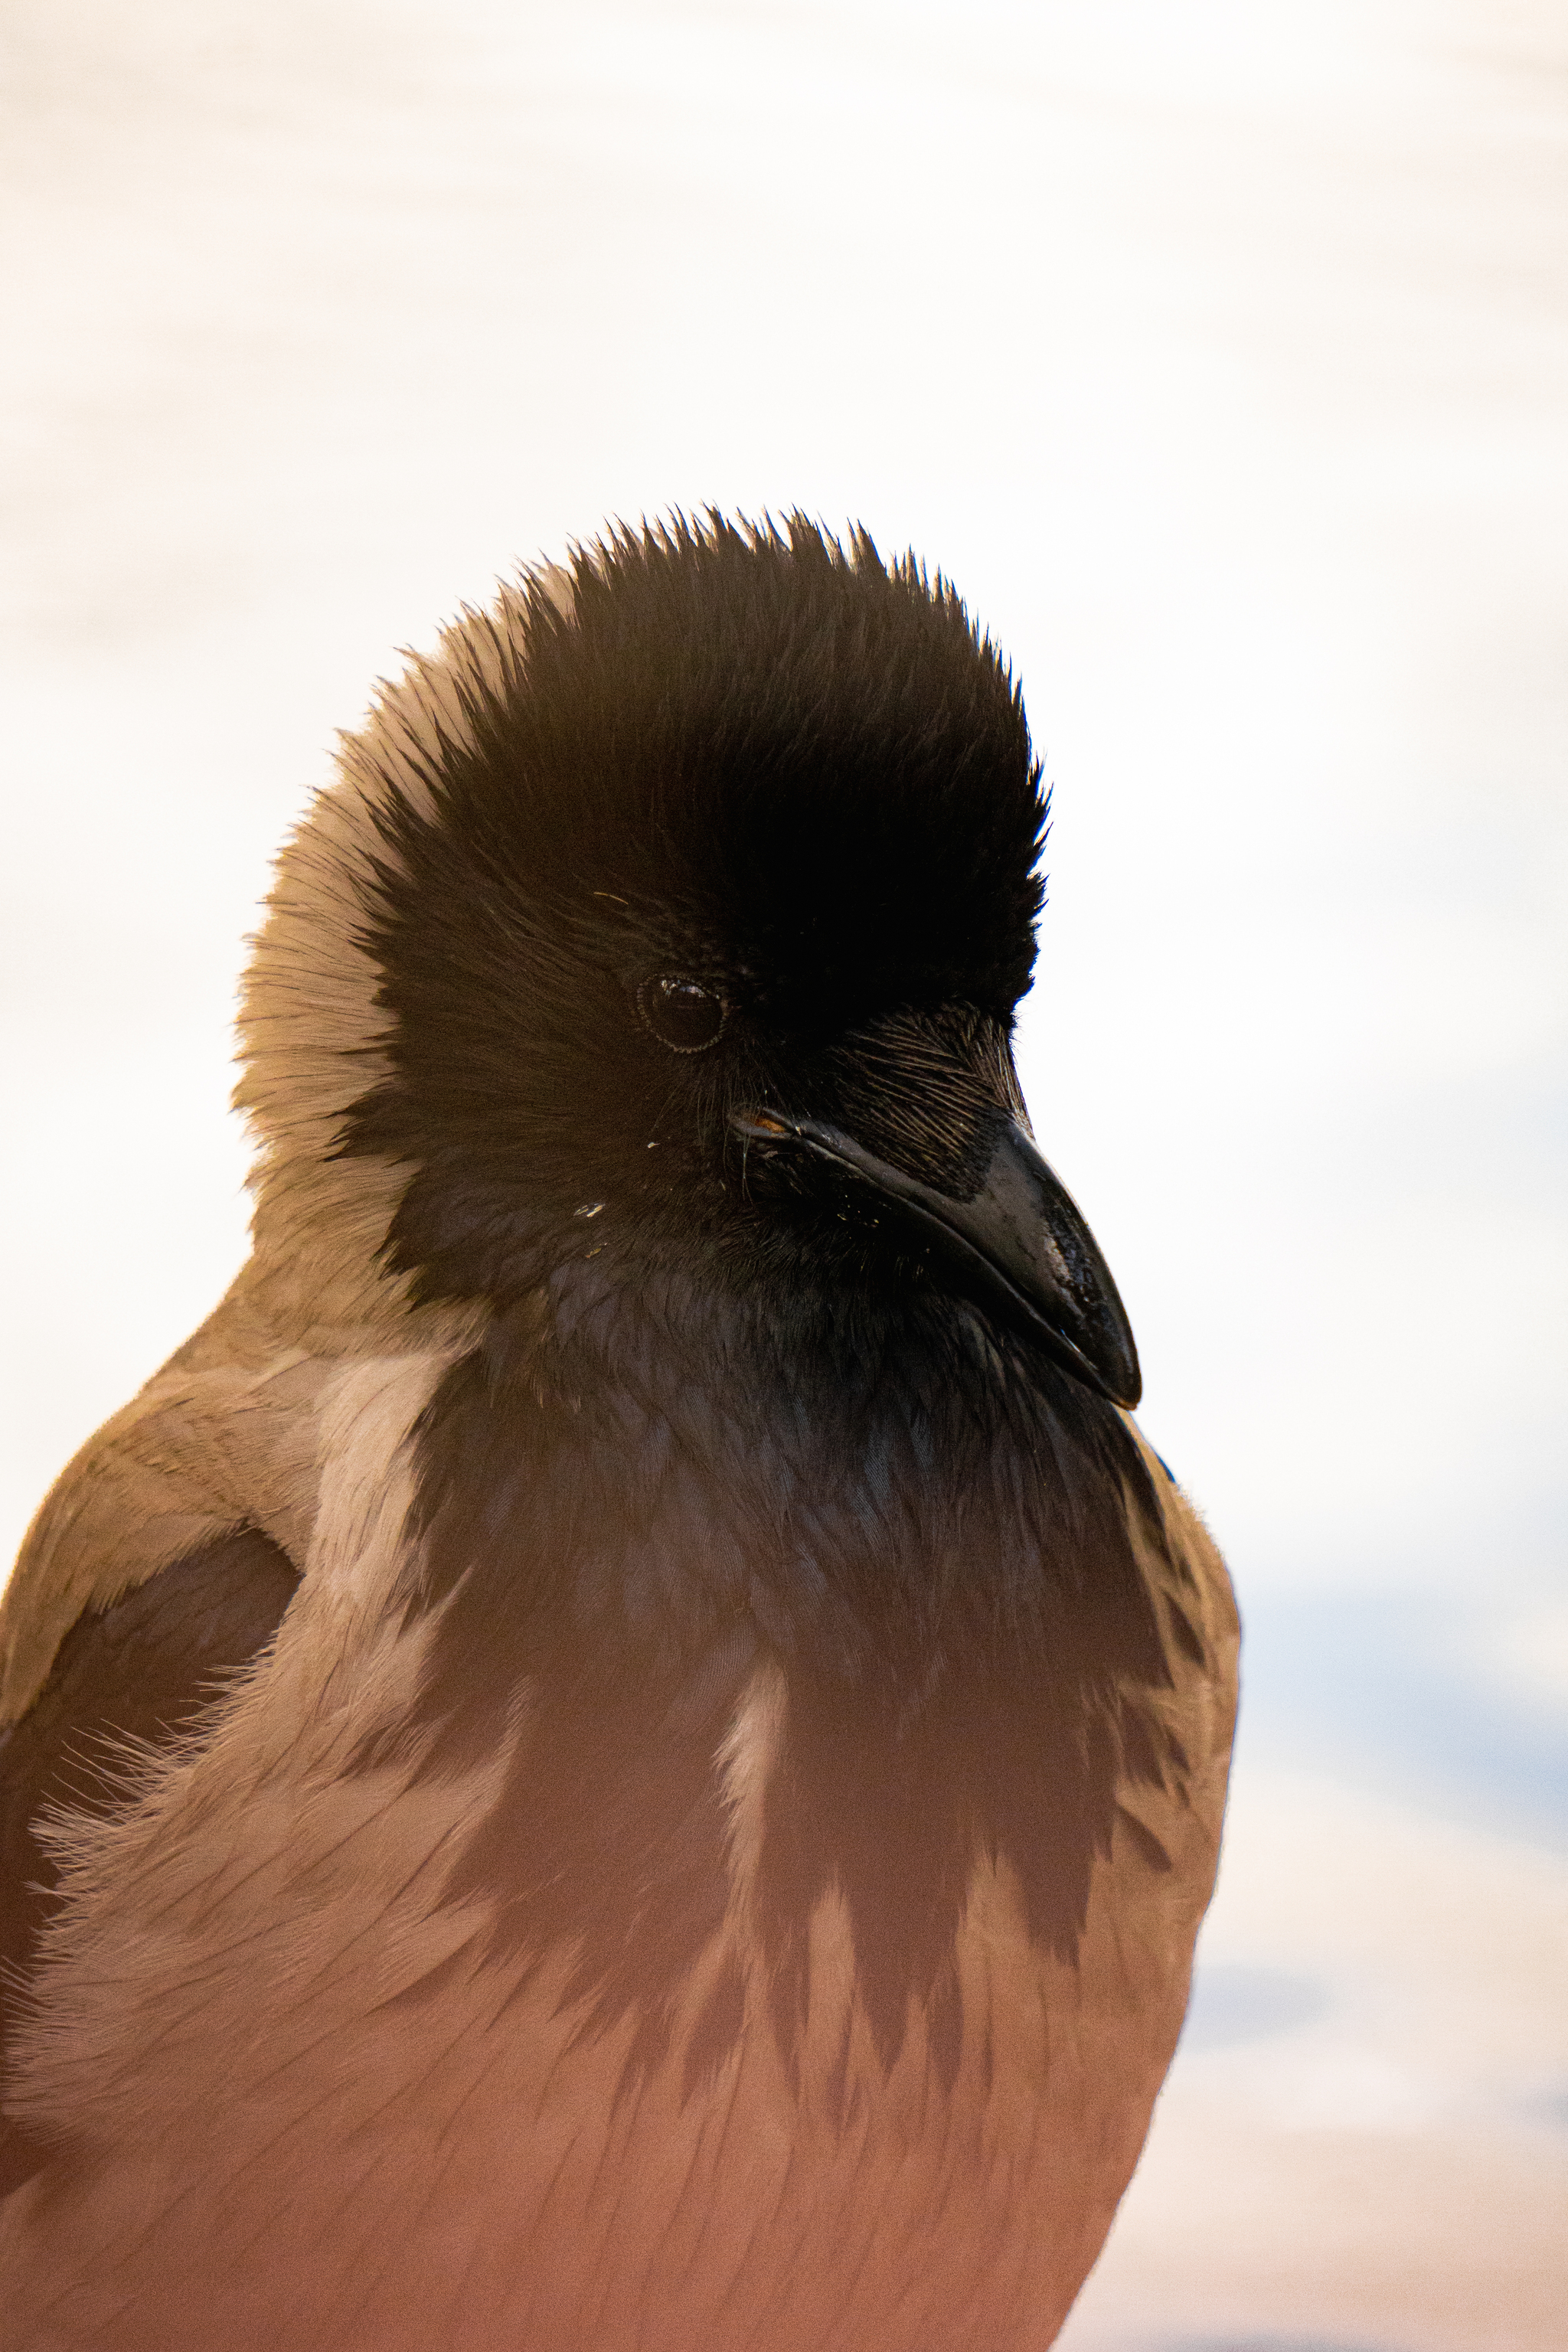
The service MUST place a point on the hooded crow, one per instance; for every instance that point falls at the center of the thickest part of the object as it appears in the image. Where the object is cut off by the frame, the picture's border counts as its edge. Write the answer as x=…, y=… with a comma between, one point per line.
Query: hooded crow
x=624, y=1751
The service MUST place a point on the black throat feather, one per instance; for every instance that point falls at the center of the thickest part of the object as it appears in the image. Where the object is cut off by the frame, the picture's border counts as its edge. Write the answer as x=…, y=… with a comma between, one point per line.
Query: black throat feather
x=631, y=1496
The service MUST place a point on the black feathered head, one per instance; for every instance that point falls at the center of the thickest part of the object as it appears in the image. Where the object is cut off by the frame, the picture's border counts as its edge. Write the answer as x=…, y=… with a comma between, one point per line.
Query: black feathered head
x=671, y=886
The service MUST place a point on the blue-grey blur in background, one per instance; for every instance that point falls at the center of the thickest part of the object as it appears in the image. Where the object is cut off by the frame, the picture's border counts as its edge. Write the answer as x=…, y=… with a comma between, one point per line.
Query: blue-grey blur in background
x=1219, y=353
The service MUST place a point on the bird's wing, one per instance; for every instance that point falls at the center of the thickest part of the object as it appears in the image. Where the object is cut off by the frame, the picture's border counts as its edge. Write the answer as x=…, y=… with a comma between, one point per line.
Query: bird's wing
x=160, y=1564
x=127, y=1678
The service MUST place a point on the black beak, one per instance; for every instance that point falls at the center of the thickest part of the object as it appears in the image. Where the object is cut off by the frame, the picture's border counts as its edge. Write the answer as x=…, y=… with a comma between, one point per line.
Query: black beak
x=1020, y=1238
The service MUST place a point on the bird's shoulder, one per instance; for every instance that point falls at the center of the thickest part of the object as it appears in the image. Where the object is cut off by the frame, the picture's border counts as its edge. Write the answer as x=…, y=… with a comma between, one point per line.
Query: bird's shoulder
x=219, y=1439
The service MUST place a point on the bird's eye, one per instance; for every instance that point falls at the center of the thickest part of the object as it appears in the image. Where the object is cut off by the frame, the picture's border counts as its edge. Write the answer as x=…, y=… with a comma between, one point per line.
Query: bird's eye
x=681, y=1014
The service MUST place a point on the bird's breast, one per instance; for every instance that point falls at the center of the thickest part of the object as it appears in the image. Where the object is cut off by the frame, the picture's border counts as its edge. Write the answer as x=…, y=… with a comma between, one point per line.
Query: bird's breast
x=480, y=1980
x=336, y=2078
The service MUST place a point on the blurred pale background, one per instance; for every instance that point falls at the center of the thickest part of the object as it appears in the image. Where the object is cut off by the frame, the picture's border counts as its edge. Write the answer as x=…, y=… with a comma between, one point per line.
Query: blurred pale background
x=1219, y=353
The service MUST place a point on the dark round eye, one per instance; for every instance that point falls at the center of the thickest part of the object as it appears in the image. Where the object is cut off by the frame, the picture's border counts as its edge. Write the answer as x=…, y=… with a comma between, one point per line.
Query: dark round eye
x=681, y=1014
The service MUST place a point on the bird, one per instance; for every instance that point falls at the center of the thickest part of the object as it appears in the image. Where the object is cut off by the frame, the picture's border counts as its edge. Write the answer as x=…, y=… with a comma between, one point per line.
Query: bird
x=628, y=1747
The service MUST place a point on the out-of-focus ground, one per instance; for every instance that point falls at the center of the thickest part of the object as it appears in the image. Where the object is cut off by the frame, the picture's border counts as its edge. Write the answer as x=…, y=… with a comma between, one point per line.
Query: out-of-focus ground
x=1220, y=353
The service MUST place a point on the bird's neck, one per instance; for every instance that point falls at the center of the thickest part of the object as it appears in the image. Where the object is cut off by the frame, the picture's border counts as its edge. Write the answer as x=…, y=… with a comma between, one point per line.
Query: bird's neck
x=879, y=1494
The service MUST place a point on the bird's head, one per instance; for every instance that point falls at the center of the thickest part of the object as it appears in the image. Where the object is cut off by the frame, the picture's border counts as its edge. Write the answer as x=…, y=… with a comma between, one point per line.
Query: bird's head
x=669, y=927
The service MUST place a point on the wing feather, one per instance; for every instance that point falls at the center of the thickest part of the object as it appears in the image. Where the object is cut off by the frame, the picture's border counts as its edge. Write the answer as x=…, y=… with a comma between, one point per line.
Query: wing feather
x=127, y=1679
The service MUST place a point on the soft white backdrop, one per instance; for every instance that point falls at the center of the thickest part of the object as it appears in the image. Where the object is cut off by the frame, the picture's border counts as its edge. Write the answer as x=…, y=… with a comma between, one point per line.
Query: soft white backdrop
x=1219, y=353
